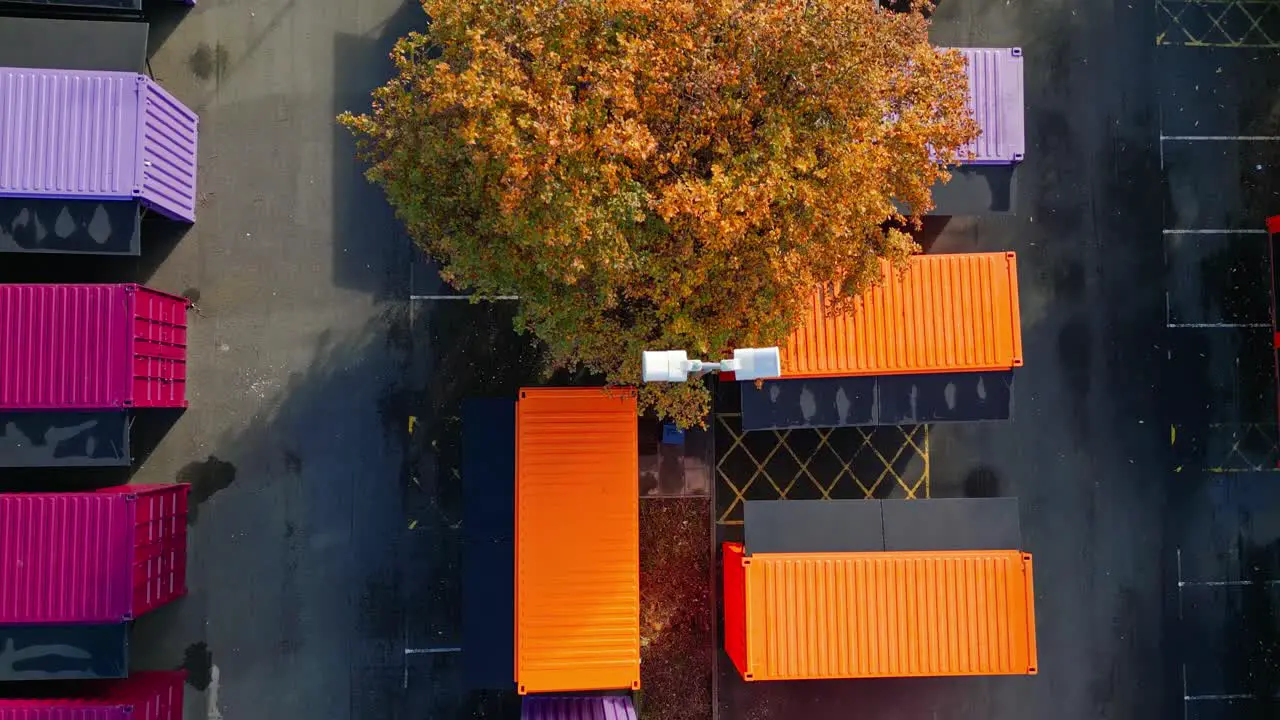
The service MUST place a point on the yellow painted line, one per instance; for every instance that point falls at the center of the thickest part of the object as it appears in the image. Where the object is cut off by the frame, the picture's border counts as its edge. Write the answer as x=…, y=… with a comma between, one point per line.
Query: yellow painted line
x=413, y=420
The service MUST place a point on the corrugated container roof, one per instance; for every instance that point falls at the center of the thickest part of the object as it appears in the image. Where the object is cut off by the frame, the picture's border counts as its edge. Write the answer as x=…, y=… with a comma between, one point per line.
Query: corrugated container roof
x=996, y=101
x=65, y=558
x=577, y=708
x=887, y=614
x=577, y=540
x=95, y=557
x=947, y=313
x=91, y=347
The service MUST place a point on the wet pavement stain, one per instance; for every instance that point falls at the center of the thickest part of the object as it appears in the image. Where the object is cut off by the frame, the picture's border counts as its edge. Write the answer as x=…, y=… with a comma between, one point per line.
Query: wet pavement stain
x=208, y=62
x=982, y=482
x=292, y=462
x=197, y=661
x=207, y=478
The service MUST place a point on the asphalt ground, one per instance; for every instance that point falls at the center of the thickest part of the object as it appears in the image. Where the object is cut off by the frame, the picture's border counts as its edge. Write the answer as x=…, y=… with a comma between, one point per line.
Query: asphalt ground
x=1143, y=444
x=325, y=544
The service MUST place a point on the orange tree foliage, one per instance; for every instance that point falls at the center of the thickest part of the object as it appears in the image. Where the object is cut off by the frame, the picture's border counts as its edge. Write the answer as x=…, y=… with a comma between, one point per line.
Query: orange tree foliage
x=663, y=174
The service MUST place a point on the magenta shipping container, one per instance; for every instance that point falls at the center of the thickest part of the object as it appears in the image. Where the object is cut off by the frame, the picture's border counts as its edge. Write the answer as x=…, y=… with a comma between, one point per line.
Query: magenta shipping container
x=141, y=696
x=612, y=707
x=93, y=557
x=996, y=101
x=91, y=347
x=76, y=134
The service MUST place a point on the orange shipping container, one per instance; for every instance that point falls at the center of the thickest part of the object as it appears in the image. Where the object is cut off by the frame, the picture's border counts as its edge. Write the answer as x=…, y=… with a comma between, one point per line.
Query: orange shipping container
x=948, y=313
x=577, y=541
x=809, y=616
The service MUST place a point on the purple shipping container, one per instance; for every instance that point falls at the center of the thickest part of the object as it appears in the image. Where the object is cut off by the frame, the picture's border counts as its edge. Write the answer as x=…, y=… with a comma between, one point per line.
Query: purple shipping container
x=93, y=557
x=996, y=101
x=613, y=707
x=74, y=134
x=91, y=347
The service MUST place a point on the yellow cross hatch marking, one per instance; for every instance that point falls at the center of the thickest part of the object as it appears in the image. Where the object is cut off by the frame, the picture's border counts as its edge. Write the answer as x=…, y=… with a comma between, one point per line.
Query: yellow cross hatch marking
x=892, y=450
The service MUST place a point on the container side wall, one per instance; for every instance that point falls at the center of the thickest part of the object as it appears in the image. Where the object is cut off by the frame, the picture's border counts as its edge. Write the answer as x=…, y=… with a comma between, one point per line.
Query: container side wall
x=947, y=313
x=577, y=541
x=64, y=347
x=154, y=695
x=68, y=134
x=577, y=708
x=735, y=622
x=141, y=696
x=64, y=558
x=167, y=161
x=159, y=350
x=889, y=614
x=996, y=101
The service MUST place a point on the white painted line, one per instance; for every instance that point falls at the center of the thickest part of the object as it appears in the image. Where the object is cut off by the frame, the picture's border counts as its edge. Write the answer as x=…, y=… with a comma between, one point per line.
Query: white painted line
x=482, y=298
x=1184, y=667
x=1185, y=705
x=431, y=651
x=1177, y=326
x=1228, y=583
x=1220, y=138
x=1222, y=698
x=1246, y=231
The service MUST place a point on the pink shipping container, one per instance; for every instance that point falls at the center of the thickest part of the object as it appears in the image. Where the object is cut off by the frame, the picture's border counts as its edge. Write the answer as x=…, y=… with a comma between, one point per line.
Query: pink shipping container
x=142, y=696
x=91, y=347
x=95, y=557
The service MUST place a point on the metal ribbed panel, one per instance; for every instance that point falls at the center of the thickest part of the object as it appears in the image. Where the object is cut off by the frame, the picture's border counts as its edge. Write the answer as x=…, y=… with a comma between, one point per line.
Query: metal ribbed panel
x=577, y=541
x=142, y=696
x=168, y=159
x=64, y=558
x=62, y=710
x=887, y=614
x=948, y=313
x=159, y=349
x=64, y=347
x=577, y=708
x=996, y=101
x=159, y=544
x=68, y=134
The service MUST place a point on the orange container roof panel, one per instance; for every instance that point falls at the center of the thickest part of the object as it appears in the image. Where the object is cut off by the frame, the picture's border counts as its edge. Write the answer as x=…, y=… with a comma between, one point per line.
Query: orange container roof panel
x=889, y=614
x=577, y=540
x=947, y=313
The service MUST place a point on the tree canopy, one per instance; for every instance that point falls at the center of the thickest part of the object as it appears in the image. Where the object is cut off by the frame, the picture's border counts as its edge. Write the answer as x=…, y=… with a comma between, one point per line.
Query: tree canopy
x=663, y=174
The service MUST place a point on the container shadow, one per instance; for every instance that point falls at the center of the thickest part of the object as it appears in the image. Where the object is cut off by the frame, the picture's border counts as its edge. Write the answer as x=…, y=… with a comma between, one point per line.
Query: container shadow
x=159, y=238
x=372, y=252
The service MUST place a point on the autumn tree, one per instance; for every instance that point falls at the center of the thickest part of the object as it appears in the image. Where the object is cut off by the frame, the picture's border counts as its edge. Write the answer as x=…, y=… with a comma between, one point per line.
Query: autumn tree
x=663, y=174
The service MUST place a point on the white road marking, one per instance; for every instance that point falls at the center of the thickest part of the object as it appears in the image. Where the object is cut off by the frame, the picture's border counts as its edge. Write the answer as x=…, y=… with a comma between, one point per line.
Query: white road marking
x=1228, y=583
x=1168, y=310
x=1220, y=138
x=1217, y=325
x=482, y=298
x=1244, y=231
x=431, y=651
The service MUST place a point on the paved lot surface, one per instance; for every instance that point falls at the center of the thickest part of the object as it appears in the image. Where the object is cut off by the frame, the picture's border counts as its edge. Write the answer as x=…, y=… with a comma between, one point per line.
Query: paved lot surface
x=294, y=441
x=324, y=546
x=1148, y=377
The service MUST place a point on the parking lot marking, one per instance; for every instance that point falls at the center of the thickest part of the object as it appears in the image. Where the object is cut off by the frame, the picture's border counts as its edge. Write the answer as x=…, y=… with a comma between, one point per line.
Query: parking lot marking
x=1242, y=231
x=1228, y=583
x=1220, y=138
x=474, y=298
